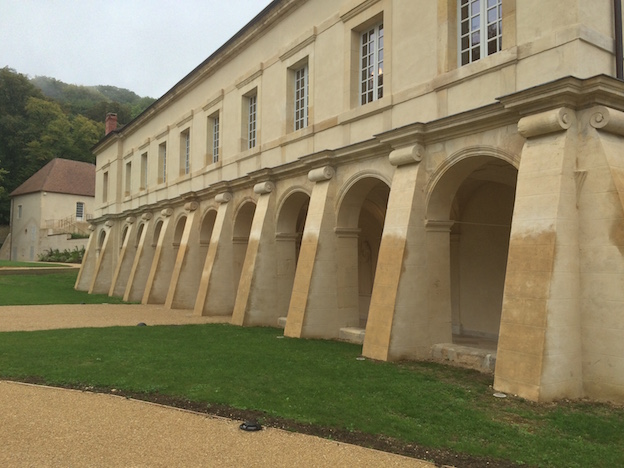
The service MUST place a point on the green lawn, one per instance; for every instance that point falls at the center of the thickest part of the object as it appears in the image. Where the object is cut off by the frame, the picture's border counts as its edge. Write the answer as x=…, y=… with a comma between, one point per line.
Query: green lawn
x=320, y=383
x=9, y=264
x=55, y=288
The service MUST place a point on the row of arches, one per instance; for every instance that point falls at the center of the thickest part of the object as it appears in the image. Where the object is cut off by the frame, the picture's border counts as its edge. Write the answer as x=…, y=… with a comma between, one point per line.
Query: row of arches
x=474, y=194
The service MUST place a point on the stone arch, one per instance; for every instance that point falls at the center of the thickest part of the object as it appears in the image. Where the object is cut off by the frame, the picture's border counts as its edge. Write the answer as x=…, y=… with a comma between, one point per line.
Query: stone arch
x=156, y=232
x=139, y=234
x=359, y=227
x=101, y=239
x=240, y=236
x=206, y=227
x=179, y=231
x=124, y=234
x=291, y=218
x=471, y=197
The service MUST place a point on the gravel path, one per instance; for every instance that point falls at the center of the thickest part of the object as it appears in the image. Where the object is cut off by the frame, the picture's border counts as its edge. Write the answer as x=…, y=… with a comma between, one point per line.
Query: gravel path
x=51, y=427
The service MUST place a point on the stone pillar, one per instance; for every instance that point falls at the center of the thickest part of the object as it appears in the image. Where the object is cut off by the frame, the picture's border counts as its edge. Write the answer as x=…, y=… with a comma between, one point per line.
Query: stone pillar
x=216, y=292
x=140, y=264
x=256, y=298
x=88, y=263
x=539, y=348
x=124, y=263
x=600, y=186
x=102, y=275
x=177, y=287
x=313, y=304
x=410, y=304
x=159, y=275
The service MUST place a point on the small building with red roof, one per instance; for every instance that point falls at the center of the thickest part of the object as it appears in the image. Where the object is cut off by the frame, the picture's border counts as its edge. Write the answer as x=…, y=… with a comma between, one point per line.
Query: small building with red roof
x=51, y=210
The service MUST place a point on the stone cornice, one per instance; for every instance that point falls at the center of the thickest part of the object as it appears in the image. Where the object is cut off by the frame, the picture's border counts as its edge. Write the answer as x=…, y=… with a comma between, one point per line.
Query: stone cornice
x=570, y=92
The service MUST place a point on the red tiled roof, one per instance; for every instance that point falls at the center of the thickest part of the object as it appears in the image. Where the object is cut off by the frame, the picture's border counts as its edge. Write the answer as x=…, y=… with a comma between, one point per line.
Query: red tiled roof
x=61, y=176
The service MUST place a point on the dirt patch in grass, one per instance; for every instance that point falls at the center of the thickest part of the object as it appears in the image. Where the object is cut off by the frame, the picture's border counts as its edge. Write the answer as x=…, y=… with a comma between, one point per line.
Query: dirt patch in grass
x=441, y=457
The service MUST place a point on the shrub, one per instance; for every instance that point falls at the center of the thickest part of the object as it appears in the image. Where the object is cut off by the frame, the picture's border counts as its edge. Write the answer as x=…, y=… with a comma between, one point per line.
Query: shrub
x=66, y=256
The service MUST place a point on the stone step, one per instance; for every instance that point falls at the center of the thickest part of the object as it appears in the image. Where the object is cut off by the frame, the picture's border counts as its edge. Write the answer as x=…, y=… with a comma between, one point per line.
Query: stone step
x=352, y=335
x=481, y=359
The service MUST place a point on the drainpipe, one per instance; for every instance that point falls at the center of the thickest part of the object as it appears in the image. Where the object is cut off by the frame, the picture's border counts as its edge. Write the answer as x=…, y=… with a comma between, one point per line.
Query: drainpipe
x=619, y=54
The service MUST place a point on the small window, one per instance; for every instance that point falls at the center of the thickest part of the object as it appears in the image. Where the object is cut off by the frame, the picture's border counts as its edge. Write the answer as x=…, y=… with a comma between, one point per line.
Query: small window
x=301, y=97
x=162, y=163
x=128, y=190
x=105, y=187
x=19, y=211
x=80, y=214
x=480, y=26
x=371, y=64
x=143, y=171
x=213, y=131
x=252, y=120
x=185, y=151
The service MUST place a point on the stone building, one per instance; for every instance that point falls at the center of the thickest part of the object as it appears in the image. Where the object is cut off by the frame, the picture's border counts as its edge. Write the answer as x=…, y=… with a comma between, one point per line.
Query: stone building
x=413, y=174
x=56, y=202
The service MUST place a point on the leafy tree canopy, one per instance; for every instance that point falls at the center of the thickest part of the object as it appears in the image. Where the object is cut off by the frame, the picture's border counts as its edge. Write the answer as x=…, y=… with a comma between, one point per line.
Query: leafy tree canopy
x=43, y=118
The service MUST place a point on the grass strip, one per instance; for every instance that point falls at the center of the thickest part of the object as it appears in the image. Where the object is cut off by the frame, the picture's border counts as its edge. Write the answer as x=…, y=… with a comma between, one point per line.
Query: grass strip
x=57, y=288
x=321, y=383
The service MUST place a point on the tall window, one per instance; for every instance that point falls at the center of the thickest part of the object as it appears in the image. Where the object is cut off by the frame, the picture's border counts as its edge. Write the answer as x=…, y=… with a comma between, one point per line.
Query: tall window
x=105, y=187
x=215, y=139
x=79, y=211
x=185, y=151
x=372, y=62
x=252, y=120
x=128, y=178
x=19, y=211
x=213, y=132
x=301, y=98
x=162, y=163
x=143, y=171
x=480, y=26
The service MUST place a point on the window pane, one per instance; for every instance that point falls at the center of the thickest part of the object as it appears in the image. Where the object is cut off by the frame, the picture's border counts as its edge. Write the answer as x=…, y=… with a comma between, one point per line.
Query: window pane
x=475, y=23
x=475, y=38
x=475, y=7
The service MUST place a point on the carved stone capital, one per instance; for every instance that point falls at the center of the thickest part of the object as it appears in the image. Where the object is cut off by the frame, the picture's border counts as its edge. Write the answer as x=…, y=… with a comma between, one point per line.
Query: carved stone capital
x=547, y=122
x=223, y=197
x=130, y=220
x=191, y=206
x=108, y=224
x=607, y=119
x=146, y=216
x=321, y=174
x=408, y=155
x=264, y=188
x=166, y=212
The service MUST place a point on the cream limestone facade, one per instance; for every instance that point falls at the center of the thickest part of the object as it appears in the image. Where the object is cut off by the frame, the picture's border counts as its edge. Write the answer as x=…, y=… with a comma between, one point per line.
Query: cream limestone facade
x=362, y=170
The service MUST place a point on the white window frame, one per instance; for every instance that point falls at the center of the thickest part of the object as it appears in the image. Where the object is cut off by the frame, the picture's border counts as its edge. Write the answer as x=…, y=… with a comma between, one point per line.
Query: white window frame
x=371, y=63
x=185, y=148
x=143, y=171
x=479, y=29
x=128, y=188
x=252, y=120
x=80, y=212
x=215, y=138
x=162, y=162
x=301, y=94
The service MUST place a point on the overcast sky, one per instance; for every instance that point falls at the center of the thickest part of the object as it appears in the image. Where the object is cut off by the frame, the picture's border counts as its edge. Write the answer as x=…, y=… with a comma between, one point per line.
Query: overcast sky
x=146, y=46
